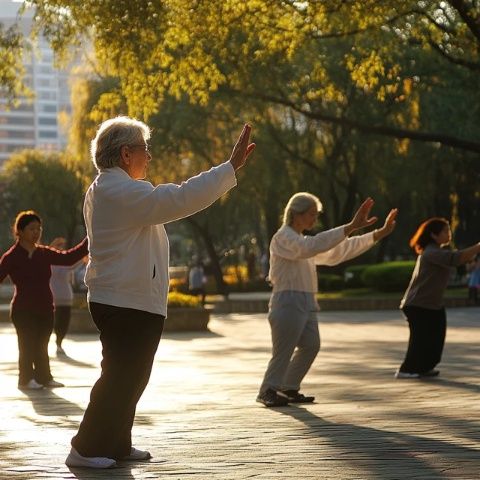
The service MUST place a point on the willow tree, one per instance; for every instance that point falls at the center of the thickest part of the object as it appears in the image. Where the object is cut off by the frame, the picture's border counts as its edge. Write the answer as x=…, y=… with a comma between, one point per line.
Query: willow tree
x=194, y=48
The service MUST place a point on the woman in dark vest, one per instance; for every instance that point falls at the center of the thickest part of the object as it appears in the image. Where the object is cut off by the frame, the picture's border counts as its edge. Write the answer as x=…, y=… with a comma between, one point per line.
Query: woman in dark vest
x=423, y=303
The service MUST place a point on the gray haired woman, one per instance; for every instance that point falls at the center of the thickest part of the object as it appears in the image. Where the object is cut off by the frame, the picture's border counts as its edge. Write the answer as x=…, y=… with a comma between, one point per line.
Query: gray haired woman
x=127, y=276
x=293, y=306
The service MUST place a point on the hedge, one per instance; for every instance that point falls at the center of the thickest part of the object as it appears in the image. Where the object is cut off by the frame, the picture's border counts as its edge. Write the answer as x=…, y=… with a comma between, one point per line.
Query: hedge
x=328, y=282
x=388, y=276
x=353, y=275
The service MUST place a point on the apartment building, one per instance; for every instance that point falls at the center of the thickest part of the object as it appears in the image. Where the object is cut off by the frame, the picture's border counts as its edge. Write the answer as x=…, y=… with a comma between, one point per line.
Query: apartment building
x=34, y=123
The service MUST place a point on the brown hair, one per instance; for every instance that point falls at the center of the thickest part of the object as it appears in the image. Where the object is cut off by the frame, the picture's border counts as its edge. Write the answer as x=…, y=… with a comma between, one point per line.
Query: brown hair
x=423, y=236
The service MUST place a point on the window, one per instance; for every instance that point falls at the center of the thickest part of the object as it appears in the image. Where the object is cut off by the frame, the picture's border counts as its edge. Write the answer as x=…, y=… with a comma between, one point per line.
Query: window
x=47, y=121
x=47, y=134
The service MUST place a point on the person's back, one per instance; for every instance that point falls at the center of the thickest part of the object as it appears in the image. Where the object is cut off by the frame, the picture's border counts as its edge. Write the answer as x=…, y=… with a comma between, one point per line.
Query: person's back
x=195, y=277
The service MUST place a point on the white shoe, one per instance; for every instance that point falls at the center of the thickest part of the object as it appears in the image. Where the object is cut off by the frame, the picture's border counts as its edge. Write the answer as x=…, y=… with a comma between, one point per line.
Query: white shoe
x=31, y=385
x=53, y=384
x=74, y=459
x=136, y=454
x=399, y=374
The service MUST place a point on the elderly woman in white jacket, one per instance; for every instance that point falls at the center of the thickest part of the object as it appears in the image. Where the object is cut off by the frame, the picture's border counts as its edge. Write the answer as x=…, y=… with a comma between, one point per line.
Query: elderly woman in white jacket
x=127, y=276
x=293, y=307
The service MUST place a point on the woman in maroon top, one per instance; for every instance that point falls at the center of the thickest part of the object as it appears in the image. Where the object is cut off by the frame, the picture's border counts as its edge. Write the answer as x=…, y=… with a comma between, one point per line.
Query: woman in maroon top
x=29, y=266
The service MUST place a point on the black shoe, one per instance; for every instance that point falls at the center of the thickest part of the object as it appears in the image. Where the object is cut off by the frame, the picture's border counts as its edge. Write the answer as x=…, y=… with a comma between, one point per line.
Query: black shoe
x=294, y=396
x=270, y=398
x=430, y=373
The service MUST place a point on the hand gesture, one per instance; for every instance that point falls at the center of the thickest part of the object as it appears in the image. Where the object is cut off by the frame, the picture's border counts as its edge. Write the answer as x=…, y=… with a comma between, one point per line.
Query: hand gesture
x=361, y=218
x=58, y=243
x=388, y=226
x=242, y=148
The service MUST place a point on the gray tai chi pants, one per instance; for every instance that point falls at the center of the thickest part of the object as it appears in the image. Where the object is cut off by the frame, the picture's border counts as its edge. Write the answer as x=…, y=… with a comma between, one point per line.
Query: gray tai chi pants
x=295, y=339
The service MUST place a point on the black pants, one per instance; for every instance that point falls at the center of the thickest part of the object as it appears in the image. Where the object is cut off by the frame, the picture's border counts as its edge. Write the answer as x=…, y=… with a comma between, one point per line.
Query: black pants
x=427, y=338
x=129, y=339
x=33, y=333
x=62, y=321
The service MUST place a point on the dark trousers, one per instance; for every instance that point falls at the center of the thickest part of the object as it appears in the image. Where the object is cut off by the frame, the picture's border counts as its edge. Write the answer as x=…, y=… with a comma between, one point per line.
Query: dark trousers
x=129, y=339
x=62, y=321
x=33, y=333
x=427, y=338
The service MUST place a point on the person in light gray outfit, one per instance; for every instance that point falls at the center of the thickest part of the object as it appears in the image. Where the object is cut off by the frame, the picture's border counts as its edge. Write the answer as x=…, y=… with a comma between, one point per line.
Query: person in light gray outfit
x=293, y=306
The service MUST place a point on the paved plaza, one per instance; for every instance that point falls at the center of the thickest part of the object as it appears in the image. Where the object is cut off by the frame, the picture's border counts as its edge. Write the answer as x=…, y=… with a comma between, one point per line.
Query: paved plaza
x=199, y=418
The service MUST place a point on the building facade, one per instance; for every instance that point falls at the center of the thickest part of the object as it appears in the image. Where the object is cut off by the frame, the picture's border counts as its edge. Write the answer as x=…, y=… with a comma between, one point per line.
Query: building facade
x=35, y=122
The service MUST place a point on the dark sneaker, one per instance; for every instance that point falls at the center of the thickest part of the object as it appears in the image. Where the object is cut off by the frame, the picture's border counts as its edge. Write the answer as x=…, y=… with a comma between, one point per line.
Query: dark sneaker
x=430, y=373
x=270, y=398
x=294, y=396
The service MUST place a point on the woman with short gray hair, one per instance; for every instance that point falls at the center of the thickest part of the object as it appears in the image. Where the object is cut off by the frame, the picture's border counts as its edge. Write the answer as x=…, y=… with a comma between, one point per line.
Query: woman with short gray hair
x=293, y=306
x=127, y=276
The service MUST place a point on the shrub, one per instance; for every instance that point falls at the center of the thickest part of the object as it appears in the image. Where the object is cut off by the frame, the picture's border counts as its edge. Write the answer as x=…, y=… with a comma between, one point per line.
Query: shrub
x=259, y=285
x=389, y=276
x=176, y=299
x=328, y=282
x=353, y=276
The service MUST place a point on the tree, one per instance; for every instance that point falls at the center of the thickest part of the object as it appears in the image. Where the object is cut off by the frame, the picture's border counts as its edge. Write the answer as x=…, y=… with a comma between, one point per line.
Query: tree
x=32, y=180
x=12, y=71
x=167, y=48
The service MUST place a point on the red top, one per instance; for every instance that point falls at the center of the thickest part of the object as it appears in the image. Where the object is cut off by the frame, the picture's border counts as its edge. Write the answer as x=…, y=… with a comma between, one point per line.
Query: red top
x=31, y=275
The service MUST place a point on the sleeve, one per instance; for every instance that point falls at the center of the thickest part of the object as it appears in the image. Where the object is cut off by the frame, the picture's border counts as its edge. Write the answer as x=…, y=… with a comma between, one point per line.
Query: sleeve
x=4, y=267
x=143, y=204
x=293, y=246
x=67, y=257
x=442, y=257
x=350, y=248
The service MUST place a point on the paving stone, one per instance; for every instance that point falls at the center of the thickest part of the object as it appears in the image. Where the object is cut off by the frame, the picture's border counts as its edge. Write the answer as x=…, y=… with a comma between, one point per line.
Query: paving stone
x=200, y=420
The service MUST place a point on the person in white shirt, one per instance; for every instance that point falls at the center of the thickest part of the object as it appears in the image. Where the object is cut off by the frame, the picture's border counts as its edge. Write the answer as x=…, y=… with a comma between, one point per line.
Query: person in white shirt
x=62, y=291
x=127, y=276
x=293, y=306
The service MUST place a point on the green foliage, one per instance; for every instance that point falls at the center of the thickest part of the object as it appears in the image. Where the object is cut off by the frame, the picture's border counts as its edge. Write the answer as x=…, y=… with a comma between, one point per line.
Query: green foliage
x=353, y=276
x=12, y=70
x=328, y=282
x=33, y=180
x=388, y=276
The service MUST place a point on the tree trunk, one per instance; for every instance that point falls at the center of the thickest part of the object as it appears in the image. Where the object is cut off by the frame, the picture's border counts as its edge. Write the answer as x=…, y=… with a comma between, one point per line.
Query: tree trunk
x=212, y=254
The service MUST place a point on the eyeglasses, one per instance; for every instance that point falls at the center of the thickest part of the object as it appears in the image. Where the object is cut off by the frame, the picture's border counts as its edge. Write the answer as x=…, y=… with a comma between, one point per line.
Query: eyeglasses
x=145, y=146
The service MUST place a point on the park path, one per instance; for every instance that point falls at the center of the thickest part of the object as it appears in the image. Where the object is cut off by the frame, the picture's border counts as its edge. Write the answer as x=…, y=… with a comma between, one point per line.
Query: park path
x=199, y=418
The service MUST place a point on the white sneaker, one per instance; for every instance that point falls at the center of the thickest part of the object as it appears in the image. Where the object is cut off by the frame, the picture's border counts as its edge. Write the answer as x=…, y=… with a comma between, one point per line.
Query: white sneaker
x=136, y=454
x=399, y=374
x=53, y=384
x=74, y=459
x=31, y=385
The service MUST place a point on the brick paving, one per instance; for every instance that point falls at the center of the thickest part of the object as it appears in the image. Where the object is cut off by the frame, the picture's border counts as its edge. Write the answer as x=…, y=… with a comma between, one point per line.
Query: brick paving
x=200, y=421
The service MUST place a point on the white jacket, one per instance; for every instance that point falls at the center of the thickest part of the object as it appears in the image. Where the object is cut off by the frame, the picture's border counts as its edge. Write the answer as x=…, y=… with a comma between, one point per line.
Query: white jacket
x=128, y=245
x=293, y=257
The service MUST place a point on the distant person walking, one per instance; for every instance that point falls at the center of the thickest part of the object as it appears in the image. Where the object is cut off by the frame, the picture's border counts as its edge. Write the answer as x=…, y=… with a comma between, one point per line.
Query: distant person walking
x=423, y=303
x=293, y=306
x=196, y=281
x=127, y=276
x=61, y=286
x=29, y=266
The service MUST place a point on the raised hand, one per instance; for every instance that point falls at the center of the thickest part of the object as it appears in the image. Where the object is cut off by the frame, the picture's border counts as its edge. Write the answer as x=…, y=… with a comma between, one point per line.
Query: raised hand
x=242, y=148
x=388, y=226
x=361, y=218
